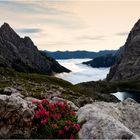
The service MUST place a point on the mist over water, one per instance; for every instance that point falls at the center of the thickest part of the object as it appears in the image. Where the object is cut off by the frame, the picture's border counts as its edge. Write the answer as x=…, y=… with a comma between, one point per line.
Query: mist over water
x=80, y=72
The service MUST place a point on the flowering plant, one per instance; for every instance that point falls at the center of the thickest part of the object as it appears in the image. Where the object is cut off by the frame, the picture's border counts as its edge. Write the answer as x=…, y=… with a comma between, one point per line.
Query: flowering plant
x=54, y=120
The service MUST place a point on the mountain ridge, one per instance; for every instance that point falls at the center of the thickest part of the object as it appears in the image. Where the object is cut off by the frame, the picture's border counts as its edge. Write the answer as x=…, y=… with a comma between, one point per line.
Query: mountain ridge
x=129, y=64
x=78, y=54
x=22, y=55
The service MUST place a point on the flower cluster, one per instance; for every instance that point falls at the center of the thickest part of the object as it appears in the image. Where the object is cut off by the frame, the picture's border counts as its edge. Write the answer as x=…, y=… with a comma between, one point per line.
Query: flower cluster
x=54, y=120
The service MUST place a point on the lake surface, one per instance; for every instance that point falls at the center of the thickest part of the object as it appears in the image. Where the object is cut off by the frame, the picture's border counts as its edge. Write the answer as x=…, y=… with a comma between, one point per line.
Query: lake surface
x=124, y=95
x=80, y=72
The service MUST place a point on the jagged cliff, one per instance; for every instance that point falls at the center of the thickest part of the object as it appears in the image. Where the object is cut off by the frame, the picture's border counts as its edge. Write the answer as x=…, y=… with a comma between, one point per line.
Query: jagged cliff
x=22, y=55
x=129, y=65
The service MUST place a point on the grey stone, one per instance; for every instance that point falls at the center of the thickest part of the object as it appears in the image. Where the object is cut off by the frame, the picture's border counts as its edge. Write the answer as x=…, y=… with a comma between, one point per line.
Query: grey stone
x=110, y=120
x=15, y=117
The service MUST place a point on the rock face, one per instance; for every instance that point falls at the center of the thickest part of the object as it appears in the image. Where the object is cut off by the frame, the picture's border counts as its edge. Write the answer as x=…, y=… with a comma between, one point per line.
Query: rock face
x=22, y=55
x=15, y=117
x=110, y=120
x=129, y=64
x=103, y=61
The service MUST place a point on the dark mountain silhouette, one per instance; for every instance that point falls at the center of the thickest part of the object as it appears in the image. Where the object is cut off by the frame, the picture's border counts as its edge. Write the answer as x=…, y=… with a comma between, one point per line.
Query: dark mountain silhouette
x=78, y=54
x=22, y=55
x=102, y=61
x=129, y=65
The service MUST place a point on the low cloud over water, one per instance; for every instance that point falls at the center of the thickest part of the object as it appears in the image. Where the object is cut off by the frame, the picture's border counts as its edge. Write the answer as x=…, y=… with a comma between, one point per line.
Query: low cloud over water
x=80, y=72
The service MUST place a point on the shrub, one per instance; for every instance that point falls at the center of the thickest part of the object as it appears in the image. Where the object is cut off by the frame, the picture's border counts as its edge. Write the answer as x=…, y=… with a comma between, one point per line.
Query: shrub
x=54, y=120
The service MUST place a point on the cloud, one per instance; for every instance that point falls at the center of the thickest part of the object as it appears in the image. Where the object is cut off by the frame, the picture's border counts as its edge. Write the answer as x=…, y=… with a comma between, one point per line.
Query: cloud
x=80, y=72
x=86, y=37
x=29, y=30
x=122, y=34
x=33, y=7
x=44, y=12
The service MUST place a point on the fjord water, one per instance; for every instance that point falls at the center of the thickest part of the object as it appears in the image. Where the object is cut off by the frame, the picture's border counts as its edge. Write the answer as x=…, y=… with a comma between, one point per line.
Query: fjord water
x=80, y=72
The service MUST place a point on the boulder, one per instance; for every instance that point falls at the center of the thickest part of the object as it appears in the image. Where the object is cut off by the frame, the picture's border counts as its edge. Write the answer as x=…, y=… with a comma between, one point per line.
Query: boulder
x=110, y=120
x=15, y=117
x=11, y=92
x=81, y=101
x=30, y=99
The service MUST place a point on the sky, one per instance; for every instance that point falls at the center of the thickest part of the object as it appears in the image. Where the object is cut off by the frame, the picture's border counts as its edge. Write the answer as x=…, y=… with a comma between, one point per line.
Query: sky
x=72, y=24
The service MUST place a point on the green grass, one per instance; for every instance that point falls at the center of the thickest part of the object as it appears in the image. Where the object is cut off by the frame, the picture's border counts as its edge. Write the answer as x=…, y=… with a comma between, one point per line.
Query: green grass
x=33, y=84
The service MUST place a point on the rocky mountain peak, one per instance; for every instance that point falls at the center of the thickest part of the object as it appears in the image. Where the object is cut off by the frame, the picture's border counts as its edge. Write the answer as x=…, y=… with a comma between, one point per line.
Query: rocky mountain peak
x=129, y=64
x=22, y=55
x=6, y=29
x=7, y=33
x=5, y=25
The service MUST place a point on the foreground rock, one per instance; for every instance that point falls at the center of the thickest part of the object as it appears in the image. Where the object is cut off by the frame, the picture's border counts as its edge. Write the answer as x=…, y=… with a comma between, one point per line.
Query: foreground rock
x=110, y=120
x=15, y=117
x=129, y=65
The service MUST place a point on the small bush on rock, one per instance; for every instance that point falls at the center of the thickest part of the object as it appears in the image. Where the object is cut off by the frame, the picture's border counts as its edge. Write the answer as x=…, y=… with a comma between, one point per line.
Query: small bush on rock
x=54, y=120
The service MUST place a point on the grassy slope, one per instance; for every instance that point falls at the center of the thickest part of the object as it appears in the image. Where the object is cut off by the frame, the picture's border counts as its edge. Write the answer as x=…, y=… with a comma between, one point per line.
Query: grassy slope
x=110, y=87
x=34, y=84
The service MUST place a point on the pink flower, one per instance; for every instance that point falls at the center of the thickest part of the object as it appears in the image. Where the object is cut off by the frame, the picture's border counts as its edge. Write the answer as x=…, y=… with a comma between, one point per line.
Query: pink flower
x=47, y=113
x=67, y=128
x=72, y=113
x=44, y=101
x=52, y=107
x=76, y=126
x=37, y=114
x=44, y=121
x=68, y=122
x=57, y=116
x=54, y=125
x=41, y=106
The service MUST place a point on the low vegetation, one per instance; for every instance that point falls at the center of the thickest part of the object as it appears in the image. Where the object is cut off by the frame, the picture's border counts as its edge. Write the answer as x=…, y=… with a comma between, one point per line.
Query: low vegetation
x=35, y=84
x=54, y=121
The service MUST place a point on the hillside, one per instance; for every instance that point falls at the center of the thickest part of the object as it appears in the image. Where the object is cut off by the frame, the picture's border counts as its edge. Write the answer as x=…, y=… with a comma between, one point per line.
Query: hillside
x=44, y=86
x=22, y=55
x=129, y=65
x=102, y=61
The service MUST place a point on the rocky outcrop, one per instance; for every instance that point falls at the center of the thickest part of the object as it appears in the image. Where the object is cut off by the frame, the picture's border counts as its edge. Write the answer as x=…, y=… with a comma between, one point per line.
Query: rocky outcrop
x=15, y=117
x=102, y=61
x=22, y=55
x=129, y=64
x=110, y=120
